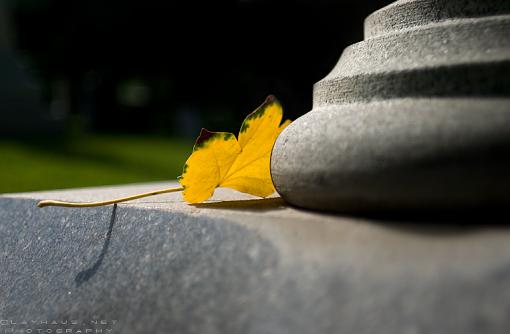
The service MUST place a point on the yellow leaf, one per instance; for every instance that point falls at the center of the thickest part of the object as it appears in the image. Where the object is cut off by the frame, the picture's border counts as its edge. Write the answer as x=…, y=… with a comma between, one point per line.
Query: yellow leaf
x=221, y=160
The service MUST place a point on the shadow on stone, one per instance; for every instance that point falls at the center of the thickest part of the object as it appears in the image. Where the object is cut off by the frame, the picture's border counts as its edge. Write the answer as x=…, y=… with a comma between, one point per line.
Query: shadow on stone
x=491, y=216
x=442, y=223
x=428, y=222
x=438, y=229
x=85, y=275
x=255, y=205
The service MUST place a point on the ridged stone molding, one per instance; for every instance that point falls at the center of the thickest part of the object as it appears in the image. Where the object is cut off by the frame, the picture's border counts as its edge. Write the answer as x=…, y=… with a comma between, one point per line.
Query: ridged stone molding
x=416, y=116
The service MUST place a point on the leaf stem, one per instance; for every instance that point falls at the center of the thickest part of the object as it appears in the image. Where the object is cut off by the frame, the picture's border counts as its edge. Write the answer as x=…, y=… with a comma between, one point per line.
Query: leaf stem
x=113, y=201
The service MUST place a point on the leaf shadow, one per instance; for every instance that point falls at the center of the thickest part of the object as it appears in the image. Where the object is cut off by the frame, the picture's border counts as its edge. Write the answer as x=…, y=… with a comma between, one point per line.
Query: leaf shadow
x=253, y=205
x=87, y=274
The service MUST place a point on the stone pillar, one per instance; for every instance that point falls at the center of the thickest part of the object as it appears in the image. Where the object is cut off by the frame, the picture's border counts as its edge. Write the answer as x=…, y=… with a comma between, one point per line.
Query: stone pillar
x=416, y=116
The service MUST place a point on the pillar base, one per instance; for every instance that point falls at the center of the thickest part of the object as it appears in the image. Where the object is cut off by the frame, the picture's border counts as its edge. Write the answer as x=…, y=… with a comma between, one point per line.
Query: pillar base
x=415, y=117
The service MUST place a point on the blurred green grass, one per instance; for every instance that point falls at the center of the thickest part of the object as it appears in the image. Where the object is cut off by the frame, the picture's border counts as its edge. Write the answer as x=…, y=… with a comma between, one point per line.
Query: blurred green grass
x=91, y=160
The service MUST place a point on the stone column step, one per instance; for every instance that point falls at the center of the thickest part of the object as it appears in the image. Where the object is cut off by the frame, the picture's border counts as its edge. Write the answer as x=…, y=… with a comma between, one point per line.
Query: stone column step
x=405, y=14
x=444, y=59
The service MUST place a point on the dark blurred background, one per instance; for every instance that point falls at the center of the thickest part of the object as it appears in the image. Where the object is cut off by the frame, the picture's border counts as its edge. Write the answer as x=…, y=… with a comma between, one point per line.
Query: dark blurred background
x=101, y=92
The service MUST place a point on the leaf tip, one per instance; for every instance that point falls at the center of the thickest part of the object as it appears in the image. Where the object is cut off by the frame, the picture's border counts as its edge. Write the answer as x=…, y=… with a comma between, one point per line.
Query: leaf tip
x=270, y=98
x=202, y=138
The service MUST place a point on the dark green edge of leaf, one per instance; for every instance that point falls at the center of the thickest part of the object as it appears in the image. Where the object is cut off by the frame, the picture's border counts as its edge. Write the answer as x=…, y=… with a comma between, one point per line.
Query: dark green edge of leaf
x=259, y=112
x=204, y=137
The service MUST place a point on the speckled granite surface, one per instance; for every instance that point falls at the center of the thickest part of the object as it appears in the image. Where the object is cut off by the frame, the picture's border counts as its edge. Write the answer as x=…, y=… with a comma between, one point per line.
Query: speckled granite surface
x=238, y=264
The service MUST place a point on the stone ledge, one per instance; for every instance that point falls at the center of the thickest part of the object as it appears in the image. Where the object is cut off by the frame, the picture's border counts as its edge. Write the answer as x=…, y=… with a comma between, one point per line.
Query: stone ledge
x=238, y=264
